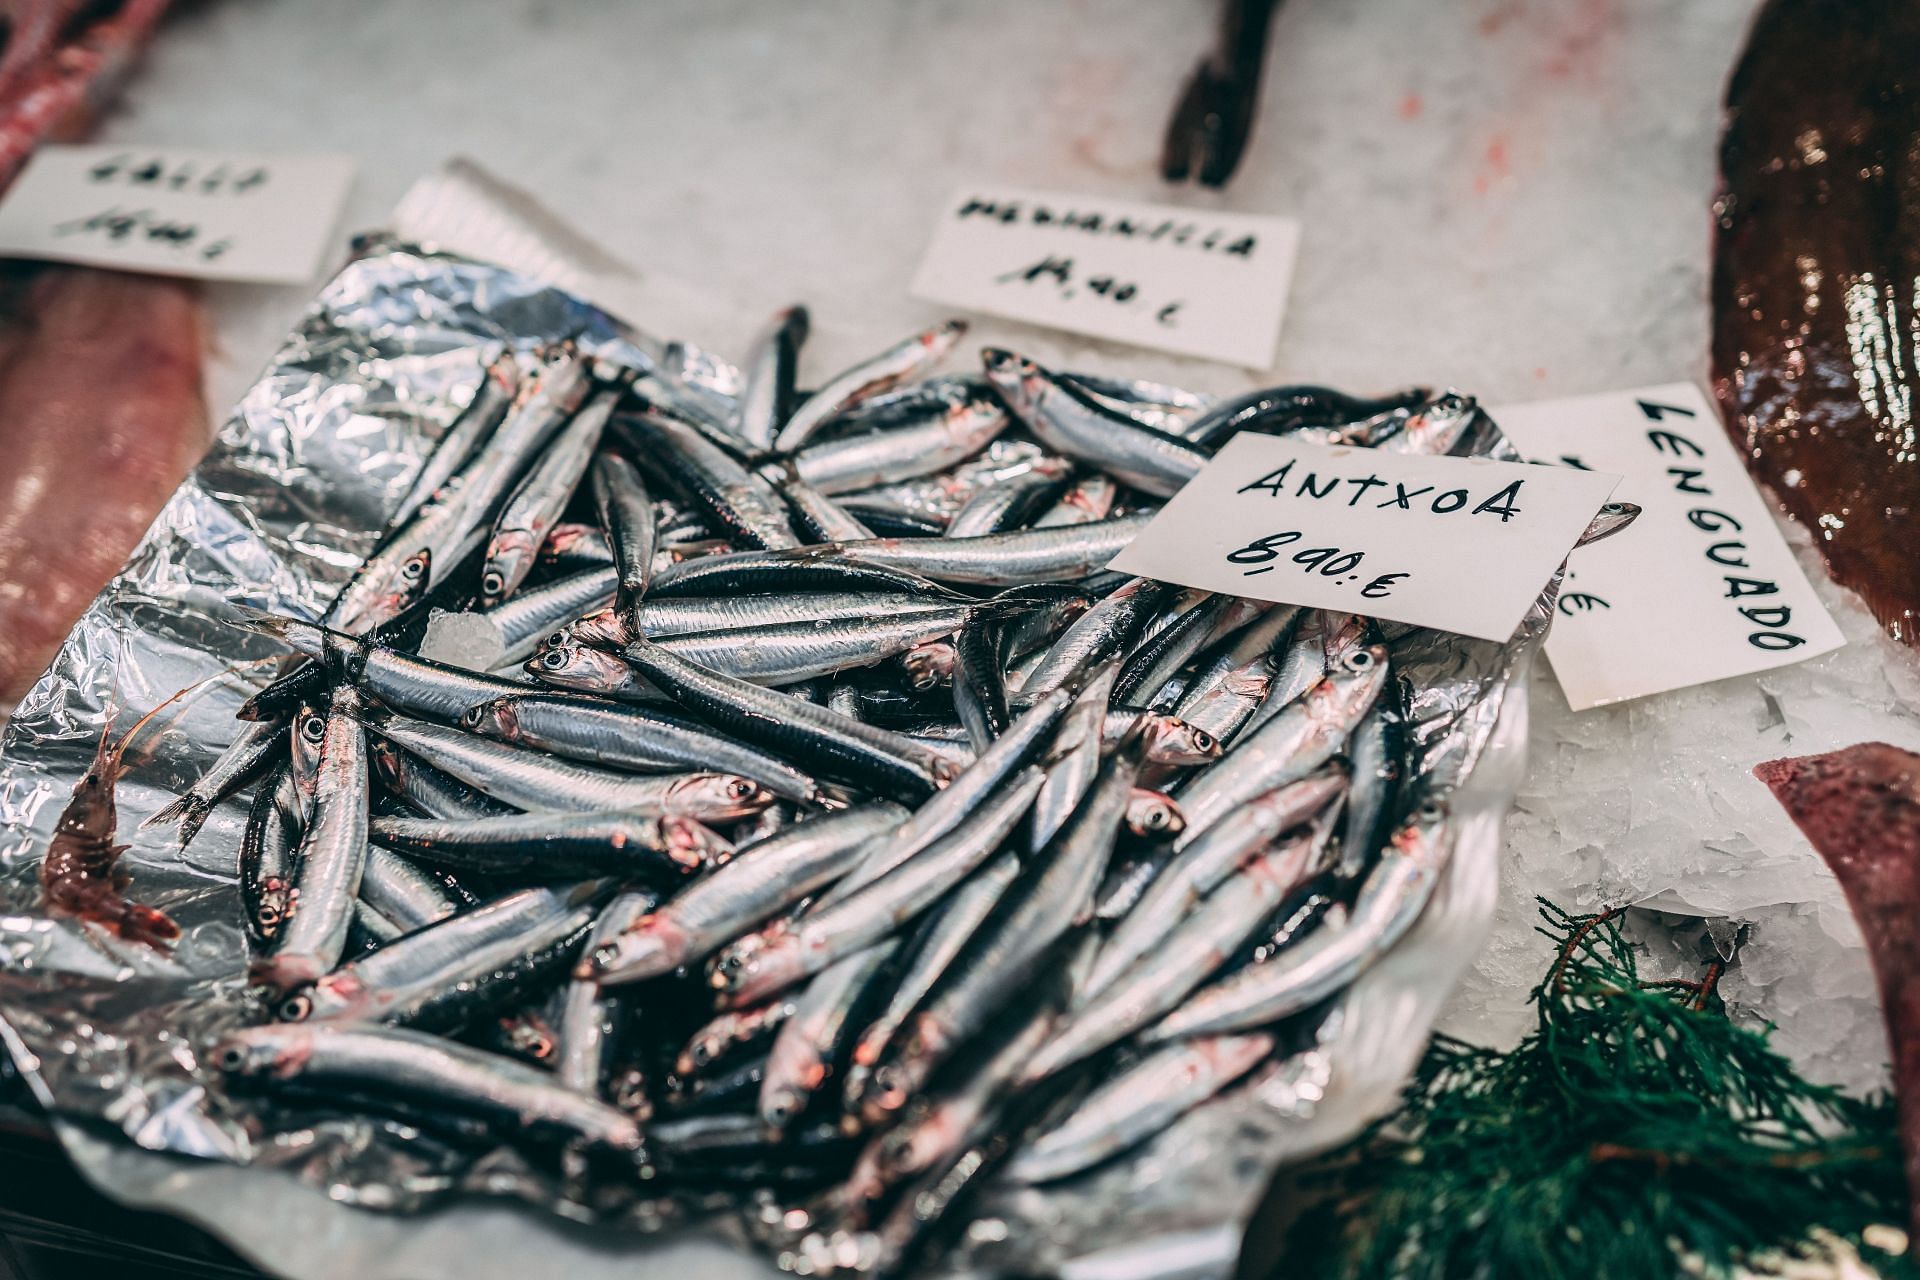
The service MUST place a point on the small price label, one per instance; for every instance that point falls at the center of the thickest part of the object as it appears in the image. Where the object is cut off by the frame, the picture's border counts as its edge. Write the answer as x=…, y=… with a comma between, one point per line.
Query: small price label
x=1459, y=544
x=1196, y=282
x=177, y=211
x=1702, y=586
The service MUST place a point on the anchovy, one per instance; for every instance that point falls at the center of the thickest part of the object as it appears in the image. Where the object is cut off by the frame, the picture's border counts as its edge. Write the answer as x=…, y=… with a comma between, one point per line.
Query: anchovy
x=533, y=614
x=660, y=618
x=1289, y=746
x=761, y=964
x=817, y=514
x=1053, y=895
x=740, y=500
x=258, y=748
x=969, y=790
x=772, y=365
x=775, y=572
x=426, y=978
x=640, y=846
x=730, y=1032
x=425, y=788
x=1200, y=867
x=1102, y=631
x=1376, y=759
x=1152, y=404
x=414, y=1067
x=786, y=653
x=1389, y=901
x=1009, y=503
x=1154, y=815
x=1138, y=1103
x=402, y=892
x=591, y=1017
x=535, y=781
x=266, y=854
x=1284, y=410
x=1059, y=554
x=843, y=749
x=806, y=1048
x=761, y=880
x=1068, y=422
x=1089, y=500
x=536, y=502
x=639, y=739
x=499, y=383
x=333, y=854
x=449, y=526
x=1157, y=659
x=400, y=680
x=867, y=379
x=956, y=428
x=1074, y=756
x=627, y=514
x=1186, y=956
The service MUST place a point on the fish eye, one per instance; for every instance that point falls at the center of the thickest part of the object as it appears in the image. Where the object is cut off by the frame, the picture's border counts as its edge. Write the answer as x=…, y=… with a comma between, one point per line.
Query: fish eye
x=1359, y=660
x=314, y=729
x=295, y=1009
x=742, y=789
x=493, y=584
x=232, y=1058
x=472, y=716
x=413, y=568
x=1614, y=508
x=1202, y=739
x=554, y=659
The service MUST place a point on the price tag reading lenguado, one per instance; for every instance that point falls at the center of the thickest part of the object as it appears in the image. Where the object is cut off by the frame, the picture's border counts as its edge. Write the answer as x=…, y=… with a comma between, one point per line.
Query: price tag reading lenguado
x=1458, y=544
x=1702, y=586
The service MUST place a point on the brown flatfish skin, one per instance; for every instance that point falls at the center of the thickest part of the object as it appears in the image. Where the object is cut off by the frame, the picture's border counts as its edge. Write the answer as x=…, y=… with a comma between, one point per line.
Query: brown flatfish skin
x=1815, y=346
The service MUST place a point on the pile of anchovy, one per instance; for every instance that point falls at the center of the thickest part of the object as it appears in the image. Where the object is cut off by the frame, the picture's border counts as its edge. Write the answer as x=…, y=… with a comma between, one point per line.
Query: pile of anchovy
x=827, y=828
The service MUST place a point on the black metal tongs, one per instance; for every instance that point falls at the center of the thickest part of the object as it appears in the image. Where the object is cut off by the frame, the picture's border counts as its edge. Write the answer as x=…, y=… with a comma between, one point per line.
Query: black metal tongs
x=1210, y=126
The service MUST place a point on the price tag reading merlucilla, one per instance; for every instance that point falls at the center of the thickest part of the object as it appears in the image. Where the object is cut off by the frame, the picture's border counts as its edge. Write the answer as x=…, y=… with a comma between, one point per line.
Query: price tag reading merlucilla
x=216, y=215
x=1197, y=282
x=1702, y=586
x=1458, y=544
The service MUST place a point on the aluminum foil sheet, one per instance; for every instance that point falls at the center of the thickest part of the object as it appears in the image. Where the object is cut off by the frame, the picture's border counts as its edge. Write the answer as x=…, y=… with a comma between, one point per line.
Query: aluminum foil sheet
x=294, y=493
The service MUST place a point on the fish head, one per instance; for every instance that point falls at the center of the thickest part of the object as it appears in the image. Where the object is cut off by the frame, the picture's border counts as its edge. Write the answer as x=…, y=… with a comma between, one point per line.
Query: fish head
x=929, y=665
x=653, y=945
x=781, y=1106
x=497, y=719
x=256, y=1052
x=721, y=796
x=692, y=845
x=1152, y=814
x=273, y=905
x=508, y=561
x=309, y=735
x=1171, y=740
x=340, y=994
x=1437, y=427
x=1018, y=380
x=1346, y=692
x=605, y=628
x=578, y=667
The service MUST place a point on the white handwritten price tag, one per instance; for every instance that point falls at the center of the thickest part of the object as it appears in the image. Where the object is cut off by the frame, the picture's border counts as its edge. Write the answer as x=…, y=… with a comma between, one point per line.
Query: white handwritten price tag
x=177, y=211
x=1459, y=544
x=1702, y=586
x=1193, y=281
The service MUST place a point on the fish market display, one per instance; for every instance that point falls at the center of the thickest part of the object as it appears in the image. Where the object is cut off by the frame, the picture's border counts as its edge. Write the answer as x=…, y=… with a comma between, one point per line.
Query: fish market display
x=1814, y=344
x=673, y=818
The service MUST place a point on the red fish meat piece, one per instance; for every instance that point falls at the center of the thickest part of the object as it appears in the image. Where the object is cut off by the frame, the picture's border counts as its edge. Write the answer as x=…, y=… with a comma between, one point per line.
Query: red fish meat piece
x=1816, y=342
x=1860, y=808
x=101, y=416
